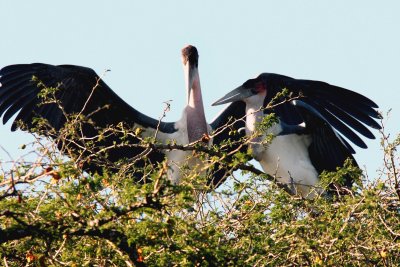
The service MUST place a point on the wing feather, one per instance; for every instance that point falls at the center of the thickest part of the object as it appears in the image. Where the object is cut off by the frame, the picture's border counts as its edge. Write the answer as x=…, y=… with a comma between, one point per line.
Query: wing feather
x=78, y=90
x=235, y=114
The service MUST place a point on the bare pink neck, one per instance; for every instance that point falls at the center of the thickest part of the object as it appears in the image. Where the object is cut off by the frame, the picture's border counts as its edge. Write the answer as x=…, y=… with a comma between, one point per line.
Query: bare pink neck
x=196, y=120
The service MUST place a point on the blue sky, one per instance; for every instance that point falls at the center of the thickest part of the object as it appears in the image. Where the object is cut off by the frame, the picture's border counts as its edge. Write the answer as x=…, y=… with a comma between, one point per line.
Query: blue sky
x=353, y=44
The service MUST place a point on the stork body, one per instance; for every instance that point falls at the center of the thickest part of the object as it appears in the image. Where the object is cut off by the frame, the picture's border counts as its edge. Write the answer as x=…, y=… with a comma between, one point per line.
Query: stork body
x=79, y=90
x=285, y=155
x=307, y=135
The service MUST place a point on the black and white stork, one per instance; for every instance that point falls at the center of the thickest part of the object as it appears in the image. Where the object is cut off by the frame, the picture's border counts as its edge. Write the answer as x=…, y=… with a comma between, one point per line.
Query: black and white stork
x=308, y=136
x=79, y=90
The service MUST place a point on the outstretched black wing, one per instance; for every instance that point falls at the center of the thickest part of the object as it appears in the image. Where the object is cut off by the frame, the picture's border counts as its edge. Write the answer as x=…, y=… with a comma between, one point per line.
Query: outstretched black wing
x=345, y=110
x=327, y=149
x=52, y=92
x=229, y=127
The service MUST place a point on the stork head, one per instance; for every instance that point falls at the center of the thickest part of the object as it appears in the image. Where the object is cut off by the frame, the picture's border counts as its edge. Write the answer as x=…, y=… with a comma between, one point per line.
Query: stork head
x=256, y=87
x=190, y=60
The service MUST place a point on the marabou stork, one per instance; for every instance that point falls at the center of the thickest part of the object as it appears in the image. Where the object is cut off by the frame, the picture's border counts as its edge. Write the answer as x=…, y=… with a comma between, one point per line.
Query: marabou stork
x=307, y=139
x=79, y=90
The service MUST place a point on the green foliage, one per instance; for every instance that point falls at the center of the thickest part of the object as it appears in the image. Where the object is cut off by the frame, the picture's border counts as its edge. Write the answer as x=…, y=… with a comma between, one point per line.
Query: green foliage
x=53, y=214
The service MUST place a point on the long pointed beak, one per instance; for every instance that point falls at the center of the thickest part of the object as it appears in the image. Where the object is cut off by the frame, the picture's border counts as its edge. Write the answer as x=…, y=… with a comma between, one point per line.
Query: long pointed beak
x=237, y=94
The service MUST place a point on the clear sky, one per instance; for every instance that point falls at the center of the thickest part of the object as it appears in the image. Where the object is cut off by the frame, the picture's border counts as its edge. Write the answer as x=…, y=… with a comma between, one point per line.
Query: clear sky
x=353, y=44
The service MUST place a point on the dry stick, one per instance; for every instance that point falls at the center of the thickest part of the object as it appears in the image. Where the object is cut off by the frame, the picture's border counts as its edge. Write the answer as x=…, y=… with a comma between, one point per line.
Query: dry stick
x=121, y=253
x=41, y=200
x=390, y=166
x=396, y=235
x=5, y=261
x=61, y=247
x=166, y=109
x=91, y=93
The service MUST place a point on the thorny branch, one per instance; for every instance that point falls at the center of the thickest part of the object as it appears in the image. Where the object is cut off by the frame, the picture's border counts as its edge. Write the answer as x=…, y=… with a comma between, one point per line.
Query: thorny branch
x=389, y=156
x=30, y=225
x=147, y=147
x=84, y=228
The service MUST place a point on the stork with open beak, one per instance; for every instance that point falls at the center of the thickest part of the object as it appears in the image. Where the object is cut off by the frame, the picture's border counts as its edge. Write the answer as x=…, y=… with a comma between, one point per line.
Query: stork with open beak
x=79, y=90
x=308, y=136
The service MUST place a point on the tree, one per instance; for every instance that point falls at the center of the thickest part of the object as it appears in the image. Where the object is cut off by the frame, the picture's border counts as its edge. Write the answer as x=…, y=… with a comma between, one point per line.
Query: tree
x=54, y=214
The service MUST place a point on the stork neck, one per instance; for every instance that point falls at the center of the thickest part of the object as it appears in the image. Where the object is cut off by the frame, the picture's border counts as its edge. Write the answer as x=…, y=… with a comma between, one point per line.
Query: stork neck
x=254, y=112
x=196, y=120
x=195, y=99
x=254, y=116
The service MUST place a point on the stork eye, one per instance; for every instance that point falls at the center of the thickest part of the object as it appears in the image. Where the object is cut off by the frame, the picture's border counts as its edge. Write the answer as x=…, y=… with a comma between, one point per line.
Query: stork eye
x=254, y=91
